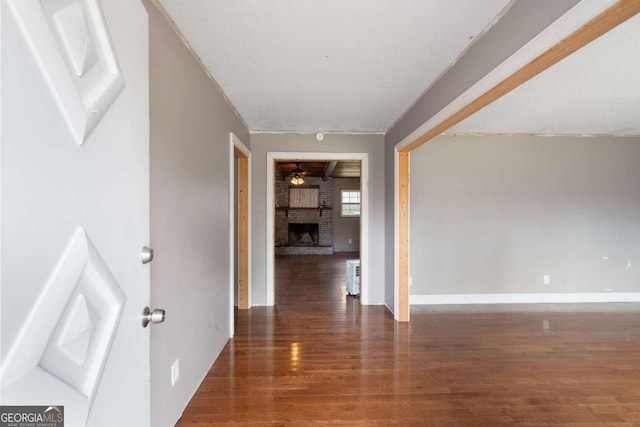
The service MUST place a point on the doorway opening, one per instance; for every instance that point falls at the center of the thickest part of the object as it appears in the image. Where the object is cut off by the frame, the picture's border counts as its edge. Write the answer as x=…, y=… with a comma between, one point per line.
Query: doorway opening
x=239, y=228
x=311, y=212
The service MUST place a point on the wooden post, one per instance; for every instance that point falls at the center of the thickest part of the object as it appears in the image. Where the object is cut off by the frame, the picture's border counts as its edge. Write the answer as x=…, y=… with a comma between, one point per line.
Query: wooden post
x=243, y=232
x=403, y=237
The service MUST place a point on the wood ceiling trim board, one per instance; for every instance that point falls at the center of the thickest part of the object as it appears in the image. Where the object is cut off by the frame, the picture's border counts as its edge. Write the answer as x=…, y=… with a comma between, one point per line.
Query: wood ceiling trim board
x=541, y=135
x=606, y=21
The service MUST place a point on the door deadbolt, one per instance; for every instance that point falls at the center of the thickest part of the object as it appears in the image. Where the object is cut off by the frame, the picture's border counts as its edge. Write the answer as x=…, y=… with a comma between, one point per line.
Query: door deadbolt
x=155, y=316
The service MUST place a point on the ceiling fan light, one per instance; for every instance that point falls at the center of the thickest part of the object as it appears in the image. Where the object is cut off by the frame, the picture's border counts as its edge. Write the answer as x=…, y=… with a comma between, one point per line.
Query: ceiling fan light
x=297, y=178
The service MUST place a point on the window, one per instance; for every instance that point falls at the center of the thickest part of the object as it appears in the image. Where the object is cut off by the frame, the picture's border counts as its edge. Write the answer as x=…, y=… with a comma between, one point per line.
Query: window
x=349, y=202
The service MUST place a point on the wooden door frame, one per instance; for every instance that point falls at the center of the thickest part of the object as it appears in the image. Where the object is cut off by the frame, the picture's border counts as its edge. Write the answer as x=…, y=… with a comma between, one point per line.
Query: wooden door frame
x=272, y=157
x=237, y=149
x=559, y=40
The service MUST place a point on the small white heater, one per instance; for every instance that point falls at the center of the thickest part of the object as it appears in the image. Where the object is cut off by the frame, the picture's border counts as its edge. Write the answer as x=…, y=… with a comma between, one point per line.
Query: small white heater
x=353, y=277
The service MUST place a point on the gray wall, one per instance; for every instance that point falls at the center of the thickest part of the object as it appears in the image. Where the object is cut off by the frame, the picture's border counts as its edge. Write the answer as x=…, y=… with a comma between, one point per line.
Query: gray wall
x=345, y=228
x=190, y=125
x=494, y=214
x=373, y=144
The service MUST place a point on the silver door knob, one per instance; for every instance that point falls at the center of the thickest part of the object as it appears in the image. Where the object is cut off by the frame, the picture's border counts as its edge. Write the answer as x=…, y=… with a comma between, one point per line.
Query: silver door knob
x=146, y=256
x=155, y=316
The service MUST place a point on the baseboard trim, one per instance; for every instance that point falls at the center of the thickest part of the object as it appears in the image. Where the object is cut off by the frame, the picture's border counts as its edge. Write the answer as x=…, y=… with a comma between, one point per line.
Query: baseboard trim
x=524, y=298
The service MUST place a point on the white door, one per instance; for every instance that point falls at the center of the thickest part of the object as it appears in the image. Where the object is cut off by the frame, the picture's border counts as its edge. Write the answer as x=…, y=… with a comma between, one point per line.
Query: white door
x=74, y=208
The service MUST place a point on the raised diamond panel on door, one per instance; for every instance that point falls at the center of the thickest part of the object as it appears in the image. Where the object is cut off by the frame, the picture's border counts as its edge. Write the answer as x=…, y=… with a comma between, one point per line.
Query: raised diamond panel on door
x=74, y=37
x=79, y=346
x=70, y=331
x=76, y=56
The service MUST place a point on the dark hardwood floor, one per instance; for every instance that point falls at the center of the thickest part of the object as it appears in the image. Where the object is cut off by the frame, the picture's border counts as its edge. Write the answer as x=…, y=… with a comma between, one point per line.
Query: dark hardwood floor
x=320, y=359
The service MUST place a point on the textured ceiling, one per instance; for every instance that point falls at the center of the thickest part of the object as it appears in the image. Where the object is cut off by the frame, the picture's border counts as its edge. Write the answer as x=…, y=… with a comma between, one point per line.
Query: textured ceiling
x=594, y=91
x=332, y=65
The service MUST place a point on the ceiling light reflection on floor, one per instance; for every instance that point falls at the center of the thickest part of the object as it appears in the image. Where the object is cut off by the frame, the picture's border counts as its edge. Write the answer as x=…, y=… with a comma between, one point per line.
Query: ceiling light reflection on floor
x=295, y=356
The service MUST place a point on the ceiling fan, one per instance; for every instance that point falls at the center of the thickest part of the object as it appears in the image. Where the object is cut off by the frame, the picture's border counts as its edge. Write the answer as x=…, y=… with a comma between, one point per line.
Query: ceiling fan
x=296, y=175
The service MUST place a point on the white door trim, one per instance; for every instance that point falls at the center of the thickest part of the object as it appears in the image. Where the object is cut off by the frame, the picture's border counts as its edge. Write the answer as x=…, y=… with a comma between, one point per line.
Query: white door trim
x=236, y=143
x=272, y=157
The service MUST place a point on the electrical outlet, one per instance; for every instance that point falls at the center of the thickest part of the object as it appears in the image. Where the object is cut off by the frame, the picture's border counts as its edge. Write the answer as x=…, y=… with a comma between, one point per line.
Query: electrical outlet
x=545, y=325
x=546, y=279
x=175, y=372
x=350, y=241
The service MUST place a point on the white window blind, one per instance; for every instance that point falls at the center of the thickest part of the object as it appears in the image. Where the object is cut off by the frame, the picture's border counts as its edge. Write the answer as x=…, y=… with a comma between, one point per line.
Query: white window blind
x=349, y=203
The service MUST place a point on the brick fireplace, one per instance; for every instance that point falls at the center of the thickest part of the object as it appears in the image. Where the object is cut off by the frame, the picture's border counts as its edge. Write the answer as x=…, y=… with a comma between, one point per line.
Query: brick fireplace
x=304, y=231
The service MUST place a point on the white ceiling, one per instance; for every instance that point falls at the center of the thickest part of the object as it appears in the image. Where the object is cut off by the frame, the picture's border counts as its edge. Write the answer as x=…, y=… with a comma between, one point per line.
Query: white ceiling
x=594, y=91
x=330, y=65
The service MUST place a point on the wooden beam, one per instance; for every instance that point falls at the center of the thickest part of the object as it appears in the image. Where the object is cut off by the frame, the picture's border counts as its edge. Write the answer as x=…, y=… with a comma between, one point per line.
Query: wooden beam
x=403, y=237
x=606, y=21
x=328, y=170
x=243, y=231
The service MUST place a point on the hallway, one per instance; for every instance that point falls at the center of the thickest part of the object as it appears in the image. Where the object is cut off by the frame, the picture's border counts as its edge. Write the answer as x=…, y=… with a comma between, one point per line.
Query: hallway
x=319, y=358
